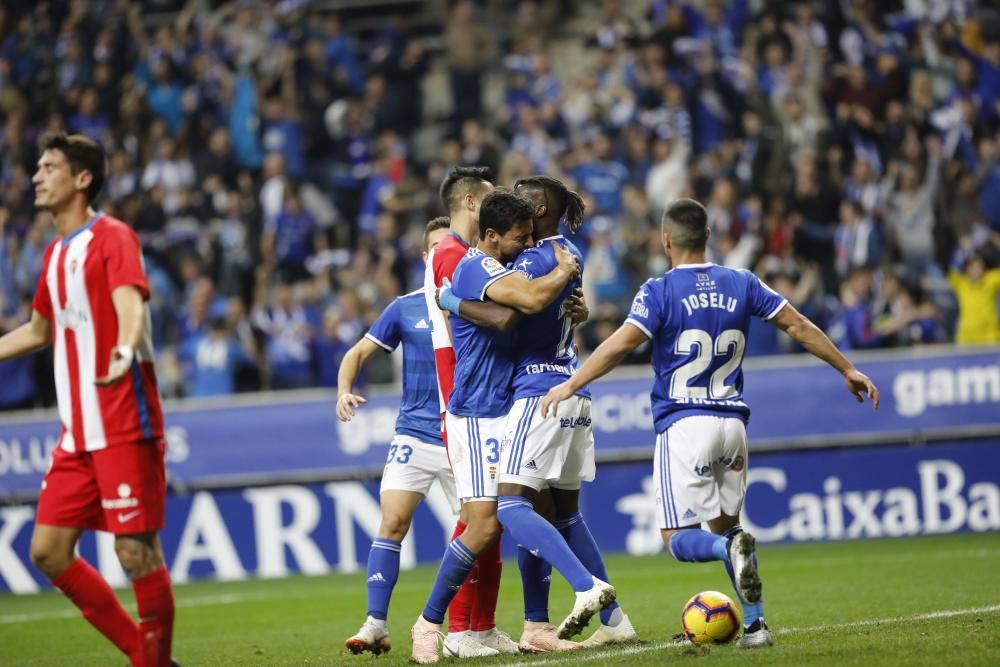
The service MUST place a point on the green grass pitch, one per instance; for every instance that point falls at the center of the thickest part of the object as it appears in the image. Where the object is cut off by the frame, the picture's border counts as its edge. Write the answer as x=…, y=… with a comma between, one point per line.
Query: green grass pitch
x=929, y=600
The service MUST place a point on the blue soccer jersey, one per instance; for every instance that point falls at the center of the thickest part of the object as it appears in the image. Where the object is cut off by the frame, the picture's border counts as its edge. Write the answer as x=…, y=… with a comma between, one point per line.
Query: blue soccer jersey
x=697, y=316
x=484, y=359
x=405, y=321
x=544, y=341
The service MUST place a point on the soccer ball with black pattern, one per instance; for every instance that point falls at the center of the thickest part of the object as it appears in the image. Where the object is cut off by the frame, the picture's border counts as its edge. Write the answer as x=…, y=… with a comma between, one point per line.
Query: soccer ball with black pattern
x=711, y=617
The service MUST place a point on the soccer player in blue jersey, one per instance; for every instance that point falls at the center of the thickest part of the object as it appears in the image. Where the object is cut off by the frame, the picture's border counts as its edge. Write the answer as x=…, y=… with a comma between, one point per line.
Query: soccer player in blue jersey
x=697, y=316
x=482, y=395
x=544, y=457
x=417, y=457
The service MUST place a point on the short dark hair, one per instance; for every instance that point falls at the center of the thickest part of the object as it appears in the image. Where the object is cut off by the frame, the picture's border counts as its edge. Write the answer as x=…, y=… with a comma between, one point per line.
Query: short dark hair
x=440, y=222
x=501, y=210
x=568, y=203
x=687, y=223
x=461, y=181
x=82, y=153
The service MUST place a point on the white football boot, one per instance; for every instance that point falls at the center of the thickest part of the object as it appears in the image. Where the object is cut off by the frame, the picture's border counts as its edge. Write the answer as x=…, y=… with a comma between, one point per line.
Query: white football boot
x=588, y=603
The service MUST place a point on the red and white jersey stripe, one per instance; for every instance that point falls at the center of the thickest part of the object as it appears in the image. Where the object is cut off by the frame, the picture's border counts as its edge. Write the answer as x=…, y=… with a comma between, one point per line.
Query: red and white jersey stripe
x=74, y=293
x=441, y=263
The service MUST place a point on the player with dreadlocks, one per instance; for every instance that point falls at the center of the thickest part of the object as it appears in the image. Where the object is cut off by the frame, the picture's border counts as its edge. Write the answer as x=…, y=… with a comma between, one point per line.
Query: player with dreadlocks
x=550, y=456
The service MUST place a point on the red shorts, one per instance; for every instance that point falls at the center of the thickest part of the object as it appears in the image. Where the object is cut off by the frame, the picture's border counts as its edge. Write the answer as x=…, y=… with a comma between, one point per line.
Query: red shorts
x=120, y=489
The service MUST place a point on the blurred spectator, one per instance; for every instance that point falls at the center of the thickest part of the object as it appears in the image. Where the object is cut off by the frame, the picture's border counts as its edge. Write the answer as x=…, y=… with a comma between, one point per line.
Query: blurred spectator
x=977, y=289
x=835, y=145
x=212, y=360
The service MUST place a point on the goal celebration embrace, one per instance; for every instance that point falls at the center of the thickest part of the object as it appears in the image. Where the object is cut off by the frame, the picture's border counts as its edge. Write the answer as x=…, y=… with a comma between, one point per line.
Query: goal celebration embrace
x=519, y=333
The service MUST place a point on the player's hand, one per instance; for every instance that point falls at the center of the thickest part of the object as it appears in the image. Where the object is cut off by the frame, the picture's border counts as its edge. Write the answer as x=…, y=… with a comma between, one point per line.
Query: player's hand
x=550, y=402
x=121, y=362
x=576, y=307
x=346, y=405
x=860, y=384
x=565, y=260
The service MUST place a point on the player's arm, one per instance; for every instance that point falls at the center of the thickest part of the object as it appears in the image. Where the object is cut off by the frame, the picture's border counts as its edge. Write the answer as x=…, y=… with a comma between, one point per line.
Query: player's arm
x=531, y=296
x=607, y=355
x=481, y=313
x=130, y=312
x=31, y=336
x=812, y=338
x=350, y=368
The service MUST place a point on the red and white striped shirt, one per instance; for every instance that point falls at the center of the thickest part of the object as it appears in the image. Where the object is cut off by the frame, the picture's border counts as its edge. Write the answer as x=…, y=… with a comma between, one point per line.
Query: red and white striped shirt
x=74, y=293
x=441, y=263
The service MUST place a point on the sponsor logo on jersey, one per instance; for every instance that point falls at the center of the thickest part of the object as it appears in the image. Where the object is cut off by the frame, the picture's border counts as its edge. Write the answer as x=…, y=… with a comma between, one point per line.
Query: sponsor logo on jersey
x=705, y=282
x=737, y=464
x=492, y=267
x=639, y=304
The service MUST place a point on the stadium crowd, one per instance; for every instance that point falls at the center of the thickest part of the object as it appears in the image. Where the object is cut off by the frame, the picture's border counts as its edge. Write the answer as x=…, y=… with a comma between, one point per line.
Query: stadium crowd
x=279, y=171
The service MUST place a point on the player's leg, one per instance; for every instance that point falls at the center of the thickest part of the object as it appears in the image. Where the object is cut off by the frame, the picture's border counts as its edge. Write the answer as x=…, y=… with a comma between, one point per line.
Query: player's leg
x=616, y=627
x=141, y=556
x=135, y=474
x=579, y=466
x=741, y=561
x=473, y=486
x=70, y=503
x=383, y=569
x=484, y=579
x=410, y=469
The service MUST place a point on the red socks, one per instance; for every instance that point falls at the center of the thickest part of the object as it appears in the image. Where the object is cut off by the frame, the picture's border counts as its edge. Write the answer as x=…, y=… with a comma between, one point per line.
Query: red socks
x=475, y=605
x=460, y=609
x=490, y=567
x=88, y=590
x=155, y=599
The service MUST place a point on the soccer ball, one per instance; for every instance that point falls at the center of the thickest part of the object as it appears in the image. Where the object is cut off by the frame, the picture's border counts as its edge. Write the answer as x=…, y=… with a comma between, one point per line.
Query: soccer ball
x=711, y=617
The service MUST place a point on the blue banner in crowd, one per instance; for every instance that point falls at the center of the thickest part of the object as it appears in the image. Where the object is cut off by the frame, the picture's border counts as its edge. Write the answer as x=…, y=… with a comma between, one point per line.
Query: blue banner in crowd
x=794, y=402
x=852, y=493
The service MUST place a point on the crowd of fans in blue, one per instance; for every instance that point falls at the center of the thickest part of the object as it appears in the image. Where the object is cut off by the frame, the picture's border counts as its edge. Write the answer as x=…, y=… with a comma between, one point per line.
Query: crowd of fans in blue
x=279, y=169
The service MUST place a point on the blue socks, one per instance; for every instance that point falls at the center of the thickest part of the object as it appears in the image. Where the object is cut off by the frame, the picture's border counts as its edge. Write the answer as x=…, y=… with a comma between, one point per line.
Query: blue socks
x=701, y=546
x=751, y=612
x=574, y=530
x=383, y=571
x=456, y=564
x=539, y=537
x=697, y=546
x=536, y=578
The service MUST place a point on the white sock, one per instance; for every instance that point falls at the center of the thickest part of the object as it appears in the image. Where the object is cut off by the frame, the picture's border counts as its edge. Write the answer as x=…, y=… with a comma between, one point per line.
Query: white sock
x=377, y=623
x=617, y=616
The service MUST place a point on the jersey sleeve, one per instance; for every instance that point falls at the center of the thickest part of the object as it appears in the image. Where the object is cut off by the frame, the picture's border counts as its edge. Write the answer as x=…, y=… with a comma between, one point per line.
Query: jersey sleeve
x=387, y=330
x=43, y=300
x=646, y=313
x=123, y=260
x=477, y=276
x=765, y=303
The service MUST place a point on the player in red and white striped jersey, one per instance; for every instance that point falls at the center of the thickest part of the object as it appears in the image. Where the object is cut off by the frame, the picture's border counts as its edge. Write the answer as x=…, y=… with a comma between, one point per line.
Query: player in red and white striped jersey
x=107, y=472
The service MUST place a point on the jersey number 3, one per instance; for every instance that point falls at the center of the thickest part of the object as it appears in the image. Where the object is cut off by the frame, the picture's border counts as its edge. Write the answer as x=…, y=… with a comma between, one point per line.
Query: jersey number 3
x=730, y=341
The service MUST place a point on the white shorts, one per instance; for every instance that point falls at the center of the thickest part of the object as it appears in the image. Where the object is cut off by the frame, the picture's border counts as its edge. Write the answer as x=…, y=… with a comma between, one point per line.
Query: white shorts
x=474, y=449
x=700, y=470
x=551, y=451
x=413, y=465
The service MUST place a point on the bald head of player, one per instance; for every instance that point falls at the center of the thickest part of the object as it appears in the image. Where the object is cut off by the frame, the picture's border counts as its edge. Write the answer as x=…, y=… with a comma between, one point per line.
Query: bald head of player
x=462, y=193
x=685, y=232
